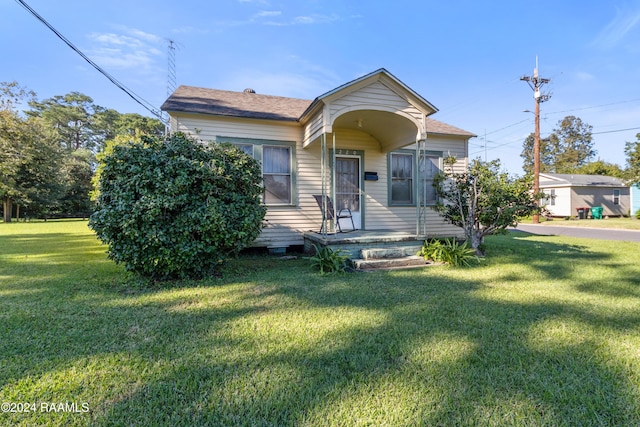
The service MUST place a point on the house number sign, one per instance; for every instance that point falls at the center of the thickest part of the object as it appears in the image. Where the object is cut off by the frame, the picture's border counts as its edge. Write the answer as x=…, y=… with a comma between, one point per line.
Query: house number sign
x=346, y=152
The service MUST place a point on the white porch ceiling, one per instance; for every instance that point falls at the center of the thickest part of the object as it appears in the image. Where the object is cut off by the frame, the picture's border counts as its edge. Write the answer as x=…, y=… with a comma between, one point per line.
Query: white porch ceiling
x=391, y=130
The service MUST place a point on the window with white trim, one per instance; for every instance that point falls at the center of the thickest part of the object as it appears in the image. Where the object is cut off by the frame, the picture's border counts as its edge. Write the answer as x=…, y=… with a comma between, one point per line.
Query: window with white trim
x=616, y=197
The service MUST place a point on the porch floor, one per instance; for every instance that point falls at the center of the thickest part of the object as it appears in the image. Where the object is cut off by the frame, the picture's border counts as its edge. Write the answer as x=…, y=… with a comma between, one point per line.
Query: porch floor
x=353, y=242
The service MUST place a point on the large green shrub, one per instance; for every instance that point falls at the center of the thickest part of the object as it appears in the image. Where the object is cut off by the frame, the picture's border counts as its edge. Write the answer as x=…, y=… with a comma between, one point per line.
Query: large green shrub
x=174, y=208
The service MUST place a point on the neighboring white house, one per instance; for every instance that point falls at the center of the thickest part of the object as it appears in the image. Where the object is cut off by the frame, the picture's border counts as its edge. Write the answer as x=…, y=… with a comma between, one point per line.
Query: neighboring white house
x=369, y=144
x=567, y=193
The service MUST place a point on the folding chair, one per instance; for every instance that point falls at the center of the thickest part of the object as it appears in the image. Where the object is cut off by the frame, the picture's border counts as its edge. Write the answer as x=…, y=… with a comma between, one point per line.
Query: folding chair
x=330, y=214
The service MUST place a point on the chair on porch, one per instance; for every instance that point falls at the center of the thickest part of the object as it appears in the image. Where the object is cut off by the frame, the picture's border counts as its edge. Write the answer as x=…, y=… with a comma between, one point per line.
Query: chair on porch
x=330, y=213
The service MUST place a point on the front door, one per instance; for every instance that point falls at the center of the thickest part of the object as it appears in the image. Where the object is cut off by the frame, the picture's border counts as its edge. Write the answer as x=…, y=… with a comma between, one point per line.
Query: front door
x=347, y=179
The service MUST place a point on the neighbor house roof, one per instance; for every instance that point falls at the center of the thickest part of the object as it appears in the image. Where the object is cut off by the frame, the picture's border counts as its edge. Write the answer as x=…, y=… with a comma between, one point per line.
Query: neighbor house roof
x=575, y=180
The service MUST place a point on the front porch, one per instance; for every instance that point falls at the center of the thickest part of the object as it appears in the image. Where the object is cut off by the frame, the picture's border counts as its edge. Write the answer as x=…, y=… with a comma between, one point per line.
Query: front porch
x=352, y=243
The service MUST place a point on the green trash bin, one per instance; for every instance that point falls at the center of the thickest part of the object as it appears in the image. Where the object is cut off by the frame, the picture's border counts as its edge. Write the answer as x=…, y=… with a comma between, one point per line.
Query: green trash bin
x=596, y=212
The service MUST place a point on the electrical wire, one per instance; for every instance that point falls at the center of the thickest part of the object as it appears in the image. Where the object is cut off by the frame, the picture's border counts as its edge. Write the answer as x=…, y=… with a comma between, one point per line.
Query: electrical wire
x=137, y=98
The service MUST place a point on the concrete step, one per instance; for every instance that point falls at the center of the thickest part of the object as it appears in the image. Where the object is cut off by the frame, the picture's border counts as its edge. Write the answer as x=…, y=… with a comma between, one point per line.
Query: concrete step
x=389, y=263
x=391, y=252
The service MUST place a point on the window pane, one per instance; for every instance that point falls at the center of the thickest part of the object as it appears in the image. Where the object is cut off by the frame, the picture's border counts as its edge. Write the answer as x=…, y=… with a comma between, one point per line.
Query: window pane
x=401, y=165
x=276, y=160
x=277, y=189
x=429, y=167
x=246, y=148
x=276, y=174
x=402, y=178
x=401, y=191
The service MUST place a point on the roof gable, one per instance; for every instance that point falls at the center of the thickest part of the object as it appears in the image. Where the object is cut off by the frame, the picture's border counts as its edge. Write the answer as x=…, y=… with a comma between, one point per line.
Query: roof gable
x=380, y=75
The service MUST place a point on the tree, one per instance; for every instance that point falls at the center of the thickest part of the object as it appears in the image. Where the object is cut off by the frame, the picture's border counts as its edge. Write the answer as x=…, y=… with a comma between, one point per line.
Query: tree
x=39, y=177
x=29, y=165
x=10, y=159
x=632, y=151
x=567, y=148
x=483, y=200
x=575, y=144
x=548, y=148
x=174, y=208
x=29, y=162
x=600, y=167
x=82, y=129
x=77, y=174
x=12, y=94
x=71, y=115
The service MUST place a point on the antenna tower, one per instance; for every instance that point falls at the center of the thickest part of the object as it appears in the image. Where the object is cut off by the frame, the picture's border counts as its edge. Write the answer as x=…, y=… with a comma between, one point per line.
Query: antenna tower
x=171, y=69
x=171, y=77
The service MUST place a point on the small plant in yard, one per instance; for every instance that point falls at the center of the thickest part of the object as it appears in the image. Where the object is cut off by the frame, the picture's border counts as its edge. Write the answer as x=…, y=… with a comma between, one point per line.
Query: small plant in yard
x=328, y=260
x=448, y=251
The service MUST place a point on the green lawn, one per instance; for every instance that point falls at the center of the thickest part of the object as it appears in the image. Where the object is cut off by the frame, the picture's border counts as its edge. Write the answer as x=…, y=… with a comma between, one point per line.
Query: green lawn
x=546, y=331
x=623, y=223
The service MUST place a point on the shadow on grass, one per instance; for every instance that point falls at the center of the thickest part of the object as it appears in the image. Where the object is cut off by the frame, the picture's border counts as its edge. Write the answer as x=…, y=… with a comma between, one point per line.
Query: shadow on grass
x=273, y=344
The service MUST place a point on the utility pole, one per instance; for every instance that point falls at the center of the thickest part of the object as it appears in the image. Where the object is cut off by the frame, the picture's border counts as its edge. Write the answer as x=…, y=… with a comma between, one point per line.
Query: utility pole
x=536, y=84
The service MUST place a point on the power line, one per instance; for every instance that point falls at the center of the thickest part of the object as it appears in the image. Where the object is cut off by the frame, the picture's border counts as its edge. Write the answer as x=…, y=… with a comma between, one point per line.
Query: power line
x=145, y=104
x=594, y=106
x=614, y=131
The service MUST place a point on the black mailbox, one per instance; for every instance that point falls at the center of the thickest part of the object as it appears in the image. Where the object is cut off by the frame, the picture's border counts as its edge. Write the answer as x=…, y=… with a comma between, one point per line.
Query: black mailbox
x=371, y=176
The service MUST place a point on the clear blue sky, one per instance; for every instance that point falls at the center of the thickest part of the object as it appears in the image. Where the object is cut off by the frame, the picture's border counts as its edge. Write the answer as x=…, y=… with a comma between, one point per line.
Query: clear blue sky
x=465, y=57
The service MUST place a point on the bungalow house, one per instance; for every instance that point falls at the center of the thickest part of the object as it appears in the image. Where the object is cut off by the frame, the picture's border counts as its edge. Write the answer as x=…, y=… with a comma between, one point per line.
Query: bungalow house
x=567, y=193
x=369, y=145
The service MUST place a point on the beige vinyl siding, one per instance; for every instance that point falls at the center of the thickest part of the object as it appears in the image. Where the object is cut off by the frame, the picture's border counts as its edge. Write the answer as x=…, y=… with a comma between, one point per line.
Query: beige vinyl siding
x=375, y=94
x=313, y=128
x=403, y=218
x=207, y=128
x=380, y=216
x=285, y=224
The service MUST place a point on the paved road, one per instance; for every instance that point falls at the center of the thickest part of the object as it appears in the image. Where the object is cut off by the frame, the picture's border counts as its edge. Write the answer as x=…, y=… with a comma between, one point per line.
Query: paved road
x=586, y=232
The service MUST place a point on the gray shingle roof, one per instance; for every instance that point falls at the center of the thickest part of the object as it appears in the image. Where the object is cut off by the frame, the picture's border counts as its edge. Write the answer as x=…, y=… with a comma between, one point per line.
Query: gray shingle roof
x=189, y=99
x=435, y=126
x=579, y=180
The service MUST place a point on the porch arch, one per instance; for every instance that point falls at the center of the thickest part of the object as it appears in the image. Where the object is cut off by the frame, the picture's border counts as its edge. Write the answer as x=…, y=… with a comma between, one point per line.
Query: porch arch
x=391, y=127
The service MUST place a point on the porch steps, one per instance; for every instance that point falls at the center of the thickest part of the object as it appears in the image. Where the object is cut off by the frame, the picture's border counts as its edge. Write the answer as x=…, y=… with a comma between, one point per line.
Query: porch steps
x=388, y=258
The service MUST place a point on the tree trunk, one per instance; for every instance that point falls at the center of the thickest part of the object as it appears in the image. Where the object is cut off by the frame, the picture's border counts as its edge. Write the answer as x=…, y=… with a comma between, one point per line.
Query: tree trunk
x=8, y=207
x=476, y=243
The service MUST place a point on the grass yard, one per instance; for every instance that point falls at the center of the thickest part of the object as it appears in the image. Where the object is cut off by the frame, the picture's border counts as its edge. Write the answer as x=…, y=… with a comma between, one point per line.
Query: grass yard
x=621, y=223
x=546, y=331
